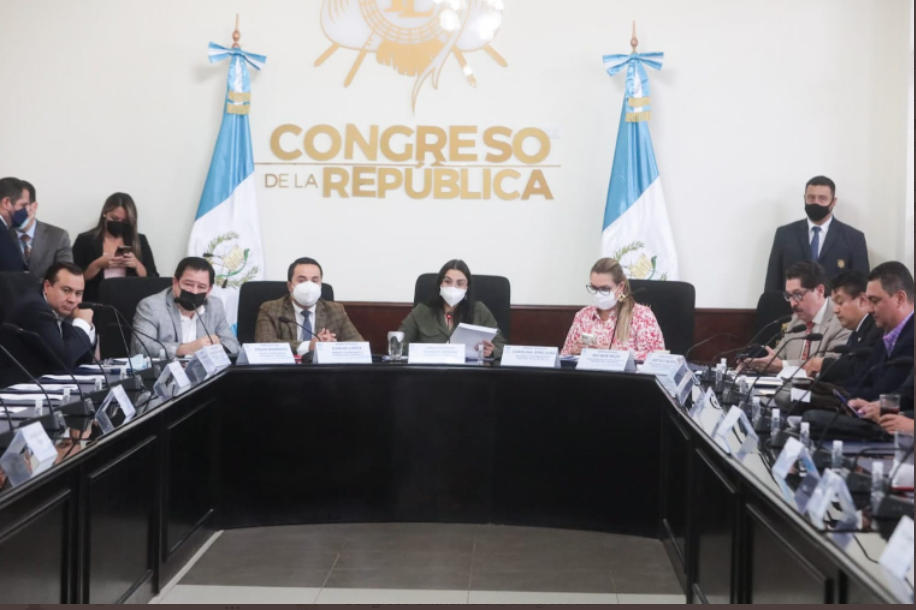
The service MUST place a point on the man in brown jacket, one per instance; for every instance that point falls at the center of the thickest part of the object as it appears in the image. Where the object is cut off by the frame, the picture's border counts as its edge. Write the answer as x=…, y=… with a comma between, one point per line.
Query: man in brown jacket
x=317, y=319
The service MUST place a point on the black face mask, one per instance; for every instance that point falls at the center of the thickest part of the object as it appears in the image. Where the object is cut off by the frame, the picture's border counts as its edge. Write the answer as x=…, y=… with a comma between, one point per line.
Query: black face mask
x=191, y=301
x=817, y=212
x=117, y=228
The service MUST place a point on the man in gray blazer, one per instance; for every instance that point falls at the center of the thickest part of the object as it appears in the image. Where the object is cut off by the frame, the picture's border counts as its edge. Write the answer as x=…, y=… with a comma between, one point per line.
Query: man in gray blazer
x=42, y=244
x=184, y=318
x=807, y=290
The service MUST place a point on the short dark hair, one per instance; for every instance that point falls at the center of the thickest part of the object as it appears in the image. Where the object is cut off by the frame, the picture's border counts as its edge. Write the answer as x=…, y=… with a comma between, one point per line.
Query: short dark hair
x=31, y=189
x=195, y=263
x=11, y=188
x=51, y=276
x=810, y=274
x=894, y=277
x=853, y=283
x=302, y=261
x=822, y=181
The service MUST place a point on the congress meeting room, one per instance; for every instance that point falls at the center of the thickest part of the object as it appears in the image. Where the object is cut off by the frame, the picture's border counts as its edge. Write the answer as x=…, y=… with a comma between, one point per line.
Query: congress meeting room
x=385, y=302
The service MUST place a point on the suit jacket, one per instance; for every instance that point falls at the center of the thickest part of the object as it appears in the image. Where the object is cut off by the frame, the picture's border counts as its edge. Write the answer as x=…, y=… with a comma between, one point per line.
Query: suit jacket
x=885, y=379
x=843, y=369
x=328, y=315
x=10, y=251
x=834, y=336
x=906, y=396
x=68, y=342
x=427, y=324
x=159, y=316
x=87, y=248
x=51, y=245
x=843, y=250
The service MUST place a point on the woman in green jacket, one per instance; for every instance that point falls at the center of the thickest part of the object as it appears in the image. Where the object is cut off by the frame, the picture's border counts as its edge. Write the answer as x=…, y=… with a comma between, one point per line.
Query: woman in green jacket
x=435, y=321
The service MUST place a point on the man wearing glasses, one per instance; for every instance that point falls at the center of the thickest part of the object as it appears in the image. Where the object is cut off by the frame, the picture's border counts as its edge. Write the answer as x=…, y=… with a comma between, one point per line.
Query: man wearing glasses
x=807, y=292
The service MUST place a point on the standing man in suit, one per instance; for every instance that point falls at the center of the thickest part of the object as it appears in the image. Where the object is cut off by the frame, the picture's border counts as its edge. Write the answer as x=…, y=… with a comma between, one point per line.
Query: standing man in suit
x=14, y=198
x=851, y=308
x=807, y=291
x=42, y=244
x=181, y=317
x=304, y=305
x=821, y=238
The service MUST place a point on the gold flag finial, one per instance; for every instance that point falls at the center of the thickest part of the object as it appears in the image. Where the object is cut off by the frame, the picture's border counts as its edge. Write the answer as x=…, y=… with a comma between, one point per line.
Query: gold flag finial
x=236, y=35
x=634, y=42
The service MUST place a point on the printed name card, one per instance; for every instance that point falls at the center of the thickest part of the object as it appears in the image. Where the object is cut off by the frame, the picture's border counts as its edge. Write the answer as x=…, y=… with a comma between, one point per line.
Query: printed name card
x=31, y=452
x=531, y=357
x=266, y=353
x=342, y=353
x=672, y=372
x=898, y=556
x=614, y=361
x=118, y=394
x=435, y=353
x=214, y=358
x=172, y=381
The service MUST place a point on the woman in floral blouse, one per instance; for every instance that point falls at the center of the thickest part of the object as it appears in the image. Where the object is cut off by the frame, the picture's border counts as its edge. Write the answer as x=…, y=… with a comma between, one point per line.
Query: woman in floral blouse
x=615, y=321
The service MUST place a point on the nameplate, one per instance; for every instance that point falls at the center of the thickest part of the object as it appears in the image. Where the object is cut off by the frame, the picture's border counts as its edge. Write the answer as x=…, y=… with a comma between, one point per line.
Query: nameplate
x=700, y=404
x=736, y=416
x=206, y=362
x=172, y=381
x=898, y=555
x=614, y=361
x=266, y=353
x=117, y=394
x=830, y=490
x=31, y=452
x=342, y=353
x=672, y=372
x=435, y=353
x=531, y=357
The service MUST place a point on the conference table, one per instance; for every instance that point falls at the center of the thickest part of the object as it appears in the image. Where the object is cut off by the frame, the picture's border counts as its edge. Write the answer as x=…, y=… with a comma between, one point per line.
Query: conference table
x=260, y=446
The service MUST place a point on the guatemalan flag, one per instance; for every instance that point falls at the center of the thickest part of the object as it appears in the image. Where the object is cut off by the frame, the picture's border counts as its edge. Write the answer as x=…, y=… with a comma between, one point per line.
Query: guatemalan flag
x=227, y=230
x=637, y=231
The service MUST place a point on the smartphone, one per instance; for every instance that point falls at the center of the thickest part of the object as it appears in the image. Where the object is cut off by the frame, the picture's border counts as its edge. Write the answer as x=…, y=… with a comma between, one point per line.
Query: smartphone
x=588, y=339
x=122, y=250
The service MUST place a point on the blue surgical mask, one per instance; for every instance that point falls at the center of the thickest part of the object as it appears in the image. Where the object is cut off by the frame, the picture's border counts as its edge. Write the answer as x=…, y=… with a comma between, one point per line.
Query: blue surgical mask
x=19, y=218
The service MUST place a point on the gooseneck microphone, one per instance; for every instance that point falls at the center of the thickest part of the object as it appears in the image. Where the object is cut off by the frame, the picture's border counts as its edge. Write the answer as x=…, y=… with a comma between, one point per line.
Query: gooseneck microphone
x=94, y=307
x=285, y=320
x=812, y=338
x=705, y=341
x=123, y=320
x=85, y=342
x=779, y=321
x=63, y=367
x=28, y=374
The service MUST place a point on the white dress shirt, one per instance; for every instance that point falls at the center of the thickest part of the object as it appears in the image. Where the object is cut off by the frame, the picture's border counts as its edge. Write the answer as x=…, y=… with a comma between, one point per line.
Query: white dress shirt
x=819, y=318
x=300, y=318
x=189, y=326
x=824, y=229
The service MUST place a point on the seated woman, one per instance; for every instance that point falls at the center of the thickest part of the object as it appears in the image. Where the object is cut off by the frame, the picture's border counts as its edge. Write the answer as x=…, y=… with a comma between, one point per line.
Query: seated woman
x=113, y=248
x=434, y=322
x=615, y=321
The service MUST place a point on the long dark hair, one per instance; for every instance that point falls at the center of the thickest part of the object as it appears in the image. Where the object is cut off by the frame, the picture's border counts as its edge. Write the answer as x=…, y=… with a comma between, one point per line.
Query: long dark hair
x=464, y=312
x=131, y=235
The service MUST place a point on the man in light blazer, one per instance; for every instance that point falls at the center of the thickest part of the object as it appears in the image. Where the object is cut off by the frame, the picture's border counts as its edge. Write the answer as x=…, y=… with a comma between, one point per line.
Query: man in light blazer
x=184, y=318
x=42, y=245
x=322, y=320
x=807, y=290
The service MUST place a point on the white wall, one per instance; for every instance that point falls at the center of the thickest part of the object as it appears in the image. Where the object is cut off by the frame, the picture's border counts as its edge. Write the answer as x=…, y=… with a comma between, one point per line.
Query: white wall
x=908, y=226
x=755, y=97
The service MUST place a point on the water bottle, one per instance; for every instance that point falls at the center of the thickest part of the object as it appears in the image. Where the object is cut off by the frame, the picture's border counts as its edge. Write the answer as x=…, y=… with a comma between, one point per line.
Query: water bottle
x=123, y=374
x=756, y=410
x=806, y=435
x=837, y=458
x=775, y=423
x=161, y=355
x=480, y=358
x=98, y=384
x=877, y=485
x=40, y=407
x=66, y=395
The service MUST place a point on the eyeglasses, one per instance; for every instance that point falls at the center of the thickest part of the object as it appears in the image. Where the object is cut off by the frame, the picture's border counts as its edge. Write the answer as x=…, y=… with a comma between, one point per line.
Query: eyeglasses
x=602, y=291
x=795, y=296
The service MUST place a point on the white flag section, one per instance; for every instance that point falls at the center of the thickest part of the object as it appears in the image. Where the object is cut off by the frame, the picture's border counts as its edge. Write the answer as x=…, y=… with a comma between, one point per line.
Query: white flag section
x=637, y=229
x=227, y=231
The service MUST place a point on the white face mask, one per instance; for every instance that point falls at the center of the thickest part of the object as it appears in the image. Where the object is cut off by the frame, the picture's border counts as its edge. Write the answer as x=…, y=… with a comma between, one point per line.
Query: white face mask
x=605, y=302
x=306, y=294
x=452, y=295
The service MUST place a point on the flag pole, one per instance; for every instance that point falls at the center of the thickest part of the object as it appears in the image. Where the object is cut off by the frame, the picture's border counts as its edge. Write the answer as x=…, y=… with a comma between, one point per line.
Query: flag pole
x=634, y=41
x=236, y=35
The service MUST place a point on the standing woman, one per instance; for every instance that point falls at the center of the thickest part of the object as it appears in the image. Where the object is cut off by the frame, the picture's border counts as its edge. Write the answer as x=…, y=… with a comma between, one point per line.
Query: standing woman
x=616, y=320
x=114, y=248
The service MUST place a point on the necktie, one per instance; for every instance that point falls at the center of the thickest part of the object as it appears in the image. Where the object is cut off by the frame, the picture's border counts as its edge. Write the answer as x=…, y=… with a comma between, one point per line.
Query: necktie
x=816, y=244
x=306, y=326
x=26, y=247
x=807, y=351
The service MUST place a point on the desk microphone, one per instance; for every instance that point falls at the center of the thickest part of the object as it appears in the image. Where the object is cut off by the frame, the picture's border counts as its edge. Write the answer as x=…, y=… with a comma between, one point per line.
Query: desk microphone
x=705, y=341
x=811, y=337
x=94, y=307
x=779, y=321
x=53, y=424
x=798, y=328
x=121, y=319
x=85, y=342
x=63, y=367
x=285, y=320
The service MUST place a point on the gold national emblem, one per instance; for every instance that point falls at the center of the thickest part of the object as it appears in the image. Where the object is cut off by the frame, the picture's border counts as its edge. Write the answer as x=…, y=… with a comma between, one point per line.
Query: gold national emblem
x=841, y=264
x=415, y=37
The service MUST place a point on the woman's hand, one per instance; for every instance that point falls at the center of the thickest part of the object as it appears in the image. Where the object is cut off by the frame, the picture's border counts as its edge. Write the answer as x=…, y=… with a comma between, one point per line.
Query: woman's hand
x=488, y=348
x=132, y=262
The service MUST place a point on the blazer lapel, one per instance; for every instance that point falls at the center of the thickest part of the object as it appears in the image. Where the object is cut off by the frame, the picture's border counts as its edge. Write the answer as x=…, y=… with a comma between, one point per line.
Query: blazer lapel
x=801, y=234
x=833, y=238
x=174, y=314
x=291, y=332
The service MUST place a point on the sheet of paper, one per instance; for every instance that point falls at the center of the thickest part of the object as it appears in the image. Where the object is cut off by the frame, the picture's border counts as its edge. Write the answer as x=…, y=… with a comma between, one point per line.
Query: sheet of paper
x=471, y=336
x=49, y=387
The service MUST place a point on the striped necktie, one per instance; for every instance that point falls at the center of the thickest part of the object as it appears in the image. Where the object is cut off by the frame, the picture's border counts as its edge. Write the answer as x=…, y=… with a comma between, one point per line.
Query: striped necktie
x=26, y=246
x=807, y=351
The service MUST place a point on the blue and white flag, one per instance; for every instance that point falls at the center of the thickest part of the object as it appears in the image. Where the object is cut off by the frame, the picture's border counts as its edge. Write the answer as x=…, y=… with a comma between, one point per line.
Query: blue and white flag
x=227, y=230
x=637, y=231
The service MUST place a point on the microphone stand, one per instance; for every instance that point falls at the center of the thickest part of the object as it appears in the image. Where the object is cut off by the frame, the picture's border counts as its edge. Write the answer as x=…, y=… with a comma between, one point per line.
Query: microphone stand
x=90, y=351
x=53, y=424
x=285, y=320
x=704, y=342
x=53, y=354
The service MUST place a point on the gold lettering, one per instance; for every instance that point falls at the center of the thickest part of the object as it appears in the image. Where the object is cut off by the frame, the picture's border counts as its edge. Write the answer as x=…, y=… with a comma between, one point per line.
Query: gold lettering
x=363, y=177
x=369, y=147
x=487, y=184
x=427, y=184
x=466, y=192
x=275, y=147
x=329, y=131
x=519, y=142
x=423, y=146
x=271, y=181
x=312, y=181
x=537, y=185
x=284, y=181
x=388, y=153
x=447, y=184
x=336, y=179
x=389, y=179
x=456, y=144
x=498, y=184
x=504, y=148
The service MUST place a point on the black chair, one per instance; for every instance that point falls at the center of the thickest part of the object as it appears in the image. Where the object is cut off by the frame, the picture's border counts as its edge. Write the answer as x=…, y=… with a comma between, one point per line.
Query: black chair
x=124, y=294
x=492, y=290
x=254, y=294
x=14, y=284
x=674, y=305
x=770, y=307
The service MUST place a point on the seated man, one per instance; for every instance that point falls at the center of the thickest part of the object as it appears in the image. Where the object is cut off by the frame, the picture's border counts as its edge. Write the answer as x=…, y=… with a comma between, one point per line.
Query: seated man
x=890, y=294
x=902, y=422
x=320, y=320
x=851, y=308
x=181, y=317
x=53, y=315
x=806, y=290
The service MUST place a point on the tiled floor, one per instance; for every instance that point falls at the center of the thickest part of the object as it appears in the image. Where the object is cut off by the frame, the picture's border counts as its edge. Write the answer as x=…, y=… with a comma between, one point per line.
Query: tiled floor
x=425, y=563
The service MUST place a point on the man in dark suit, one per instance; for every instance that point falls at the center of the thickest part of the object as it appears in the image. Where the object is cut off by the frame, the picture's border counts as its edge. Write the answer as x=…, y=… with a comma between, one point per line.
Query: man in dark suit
x=851, y=308
x=13, y=214
x=42, y=244
x=53, y=315
x=821, y=238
